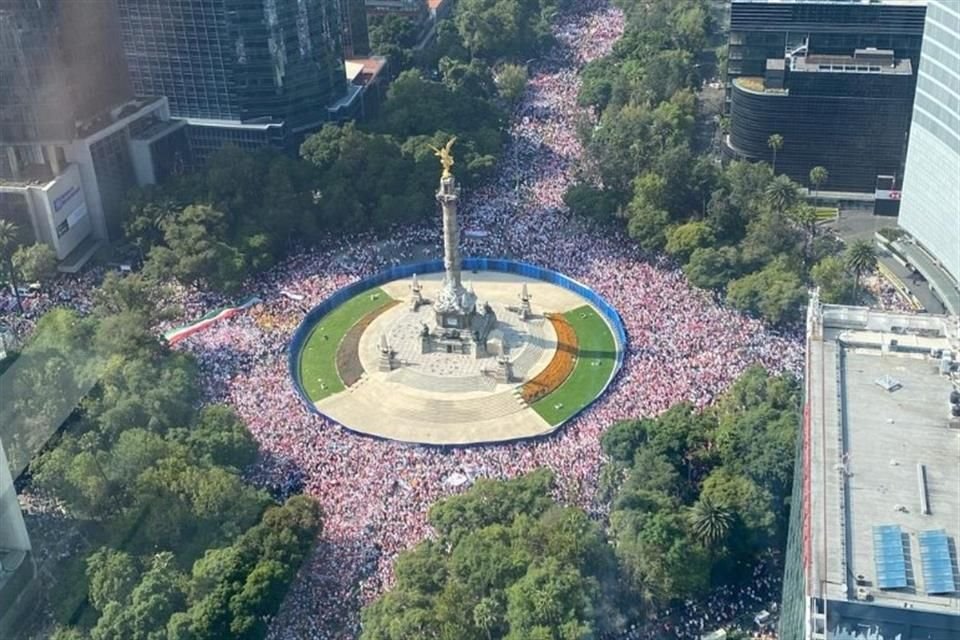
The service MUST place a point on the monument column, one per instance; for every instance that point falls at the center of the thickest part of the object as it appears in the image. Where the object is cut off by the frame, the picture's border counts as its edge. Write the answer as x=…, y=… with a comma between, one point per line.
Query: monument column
x=448, y=196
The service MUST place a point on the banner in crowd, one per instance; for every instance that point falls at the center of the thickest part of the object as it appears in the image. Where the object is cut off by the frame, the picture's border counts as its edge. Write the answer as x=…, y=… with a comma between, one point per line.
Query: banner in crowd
x=175, y=335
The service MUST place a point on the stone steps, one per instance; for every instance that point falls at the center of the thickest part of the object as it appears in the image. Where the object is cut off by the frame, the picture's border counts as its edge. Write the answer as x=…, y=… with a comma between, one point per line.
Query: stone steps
x=409, y=377
x=394, y=404
x=532, y=351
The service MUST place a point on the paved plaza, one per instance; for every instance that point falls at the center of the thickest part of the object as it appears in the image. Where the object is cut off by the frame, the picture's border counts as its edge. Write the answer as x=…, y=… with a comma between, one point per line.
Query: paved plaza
x=448, y=398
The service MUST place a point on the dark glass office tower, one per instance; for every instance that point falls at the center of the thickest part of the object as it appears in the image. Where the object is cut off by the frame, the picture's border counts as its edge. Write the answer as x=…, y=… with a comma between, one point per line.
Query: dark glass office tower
x=764, y=29
x=849, y=114
x=237, y=60
x=354, y=29
x=58, y=67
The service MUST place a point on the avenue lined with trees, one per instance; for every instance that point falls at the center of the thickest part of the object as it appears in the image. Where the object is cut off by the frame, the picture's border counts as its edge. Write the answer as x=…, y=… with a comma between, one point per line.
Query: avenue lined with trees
x=740, y=229
x=174, y=542
x=696, y=498
x=178, y=544
x=245, y=211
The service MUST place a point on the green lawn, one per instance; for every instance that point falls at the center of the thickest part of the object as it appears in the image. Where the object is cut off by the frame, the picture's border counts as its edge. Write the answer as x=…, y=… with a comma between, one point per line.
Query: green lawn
x=826, y=213
x=596, y=358
x=318, y=359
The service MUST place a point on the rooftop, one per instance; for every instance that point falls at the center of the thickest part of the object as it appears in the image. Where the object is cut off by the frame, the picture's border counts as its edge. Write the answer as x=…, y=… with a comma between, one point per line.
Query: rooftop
x=157, y=129
x=863, y=61
x=103, y=120
x=757, y=85
x=883, y=452
x=32, y=175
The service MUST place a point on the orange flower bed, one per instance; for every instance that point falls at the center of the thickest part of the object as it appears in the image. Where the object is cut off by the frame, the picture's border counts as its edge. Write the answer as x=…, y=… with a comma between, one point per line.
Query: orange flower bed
x=560, y=366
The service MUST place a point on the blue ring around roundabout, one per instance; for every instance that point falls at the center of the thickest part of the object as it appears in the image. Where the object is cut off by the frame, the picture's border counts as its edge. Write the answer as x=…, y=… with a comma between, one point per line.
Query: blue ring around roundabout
x=523, y=269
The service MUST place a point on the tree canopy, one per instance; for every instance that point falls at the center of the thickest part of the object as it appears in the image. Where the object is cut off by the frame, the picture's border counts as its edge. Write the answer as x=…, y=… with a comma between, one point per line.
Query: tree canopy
x=698, y=493
x=508, y=563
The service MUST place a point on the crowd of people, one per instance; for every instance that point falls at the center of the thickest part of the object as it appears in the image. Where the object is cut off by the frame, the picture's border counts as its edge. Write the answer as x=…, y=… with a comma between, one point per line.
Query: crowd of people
x=751, y=608
x=375, y=494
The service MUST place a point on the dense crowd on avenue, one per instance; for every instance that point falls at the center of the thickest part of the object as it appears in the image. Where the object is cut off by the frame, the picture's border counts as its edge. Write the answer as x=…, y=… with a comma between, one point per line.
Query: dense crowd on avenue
x=726, y=607
x=375, y=494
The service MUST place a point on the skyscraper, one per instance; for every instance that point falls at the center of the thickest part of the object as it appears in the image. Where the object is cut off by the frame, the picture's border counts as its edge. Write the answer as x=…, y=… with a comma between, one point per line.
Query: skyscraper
x=57, y=68
x=849, y=114
x=765, y=29
x=874, y=511
x=930, y=207
x=73, y=138
x=251, y=72
x=353, y=28
x=834, y=78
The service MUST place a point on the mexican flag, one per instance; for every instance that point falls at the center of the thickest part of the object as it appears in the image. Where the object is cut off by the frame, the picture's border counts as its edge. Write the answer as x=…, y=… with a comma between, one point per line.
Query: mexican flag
x=175, y=335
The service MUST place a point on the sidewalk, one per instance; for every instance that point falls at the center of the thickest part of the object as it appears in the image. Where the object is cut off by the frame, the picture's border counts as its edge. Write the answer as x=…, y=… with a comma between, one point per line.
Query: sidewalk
x=861, y=225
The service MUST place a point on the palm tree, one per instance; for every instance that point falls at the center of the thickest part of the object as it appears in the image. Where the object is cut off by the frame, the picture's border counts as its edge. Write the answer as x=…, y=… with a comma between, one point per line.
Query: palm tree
x=775, y=142
x=818, y=175
x=8, y=242
x=805, y=217
x=485, y=616
x=710, y=522
x=860, y=258
x=781, y=194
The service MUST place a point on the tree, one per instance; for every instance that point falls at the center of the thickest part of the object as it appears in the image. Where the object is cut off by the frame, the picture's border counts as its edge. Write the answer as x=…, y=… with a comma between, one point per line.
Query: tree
x=392, y=30
x=712, y=268
x=196, y=250
x=684, y=239
x=860, y=258
x=758, y=423
x=770, y=236
x=112, y=576
x=647, y=225
x=775, y=293
x=511, y=82
x=508, y=563
x=489, y=502
x=153, y=601
x=156, y=394
x=590, y=202
x=781, y=194
x=472, y=78
x=710, y=522
x=219, y=437
x=818, y=176
x=596, y=83
x=660, y=554
x=775, y=142
x=36, y=262
x=751, y=508
x=8, y=243
x=132, y=293
x=501, y=28
x=833, y=279
x=487, y=616
x=551, y=601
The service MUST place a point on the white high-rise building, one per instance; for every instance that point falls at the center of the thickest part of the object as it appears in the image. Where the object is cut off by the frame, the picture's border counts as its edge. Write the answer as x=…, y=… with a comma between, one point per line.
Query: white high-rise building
x=17, y=570
x=930, y=208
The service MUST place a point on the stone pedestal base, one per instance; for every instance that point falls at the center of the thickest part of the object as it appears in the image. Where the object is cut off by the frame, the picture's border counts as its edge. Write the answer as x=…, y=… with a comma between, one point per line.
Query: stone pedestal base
x=504, y=373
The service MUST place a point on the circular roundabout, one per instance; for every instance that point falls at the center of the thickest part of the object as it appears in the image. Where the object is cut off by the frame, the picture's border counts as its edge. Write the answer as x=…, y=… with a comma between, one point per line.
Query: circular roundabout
x=513, y=353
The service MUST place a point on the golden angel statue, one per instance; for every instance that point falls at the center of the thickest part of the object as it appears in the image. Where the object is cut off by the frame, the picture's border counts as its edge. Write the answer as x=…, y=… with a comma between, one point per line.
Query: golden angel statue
x=446, y=156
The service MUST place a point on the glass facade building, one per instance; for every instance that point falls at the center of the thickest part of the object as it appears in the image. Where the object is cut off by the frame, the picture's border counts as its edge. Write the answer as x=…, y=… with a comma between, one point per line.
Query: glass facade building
x=764, y=29
x=849, y=114
x=57, y=68
x=353, y=28
x=930, y=207
x=237, y=60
